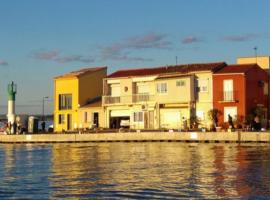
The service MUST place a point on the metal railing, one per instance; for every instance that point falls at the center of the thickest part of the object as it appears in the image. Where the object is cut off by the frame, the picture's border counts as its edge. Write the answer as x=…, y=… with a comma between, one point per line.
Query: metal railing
x=135, y=98
x=229, y=96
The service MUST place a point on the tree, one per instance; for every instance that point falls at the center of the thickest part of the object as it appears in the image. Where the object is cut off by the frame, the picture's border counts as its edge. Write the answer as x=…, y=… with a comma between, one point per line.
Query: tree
x=213, y=115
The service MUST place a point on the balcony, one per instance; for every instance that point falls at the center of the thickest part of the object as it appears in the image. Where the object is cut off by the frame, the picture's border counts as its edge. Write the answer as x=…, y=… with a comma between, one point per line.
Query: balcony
x=135, y=98
x=228, y=96
x=142, y=98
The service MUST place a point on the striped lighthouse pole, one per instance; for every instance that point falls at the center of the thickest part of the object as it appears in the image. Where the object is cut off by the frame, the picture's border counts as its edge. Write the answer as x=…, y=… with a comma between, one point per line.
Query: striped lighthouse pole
x=12, y=90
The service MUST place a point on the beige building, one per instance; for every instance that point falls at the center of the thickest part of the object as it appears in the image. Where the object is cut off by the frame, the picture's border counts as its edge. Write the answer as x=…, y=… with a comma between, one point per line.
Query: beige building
x=163, y=97
x=91, y=115
x=262, y=61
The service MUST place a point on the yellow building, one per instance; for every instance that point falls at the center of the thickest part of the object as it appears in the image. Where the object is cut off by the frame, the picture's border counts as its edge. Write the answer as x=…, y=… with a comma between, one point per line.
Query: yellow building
x=73, y=90
x=262, y=61
x=163, y=97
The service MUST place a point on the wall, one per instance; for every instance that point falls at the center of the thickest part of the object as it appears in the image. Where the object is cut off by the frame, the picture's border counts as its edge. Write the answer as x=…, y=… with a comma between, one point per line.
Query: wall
x=255, y=94
x=65, y=86
x=91, y=85
x=204, y=100
x=262, y=61
x=175, y=94
x=239, y=88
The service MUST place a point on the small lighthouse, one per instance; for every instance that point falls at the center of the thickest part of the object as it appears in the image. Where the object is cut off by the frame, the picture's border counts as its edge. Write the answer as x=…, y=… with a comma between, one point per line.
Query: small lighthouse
x=12, y=90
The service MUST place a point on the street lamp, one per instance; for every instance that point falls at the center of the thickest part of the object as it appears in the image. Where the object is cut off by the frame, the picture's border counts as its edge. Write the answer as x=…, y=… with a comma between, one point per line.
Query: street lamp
x=43, y=99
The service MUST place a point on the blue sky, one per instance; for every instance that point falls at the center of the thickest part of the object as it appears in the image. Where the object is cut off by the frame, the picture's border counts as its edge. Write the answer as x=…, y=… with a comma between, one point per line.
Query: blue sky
x=42, y=39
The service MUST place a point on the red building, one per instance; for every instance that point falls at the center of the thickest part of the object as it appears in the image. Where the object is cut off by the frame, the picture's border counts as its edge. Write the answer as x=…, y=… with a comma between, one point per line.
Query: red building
x=238, y=89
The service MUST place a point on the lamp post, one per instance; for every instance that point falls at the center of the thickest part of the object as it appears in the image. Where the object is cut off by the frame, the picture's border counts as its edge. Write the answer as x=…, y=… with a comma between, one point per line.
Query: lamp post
x=43, y=99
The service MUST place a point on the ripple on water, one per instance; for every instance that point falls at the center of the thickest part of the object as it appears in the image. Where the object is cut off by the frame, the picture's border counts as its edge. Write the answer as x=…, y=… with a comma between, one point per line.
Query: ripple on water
x=134, y=171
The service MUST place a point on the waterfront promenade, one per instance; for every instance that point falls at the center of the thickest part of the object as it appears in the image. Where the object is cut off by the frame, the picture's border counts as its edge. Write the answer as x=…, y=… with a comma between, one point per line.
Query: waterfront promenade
x=206, y=137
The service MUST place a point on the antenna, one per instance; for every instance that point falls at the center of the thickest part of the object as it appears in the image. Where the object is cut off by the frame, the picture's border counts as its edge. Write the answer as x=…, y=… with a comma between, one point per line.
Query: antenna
x=255, y=51
x=176, y=60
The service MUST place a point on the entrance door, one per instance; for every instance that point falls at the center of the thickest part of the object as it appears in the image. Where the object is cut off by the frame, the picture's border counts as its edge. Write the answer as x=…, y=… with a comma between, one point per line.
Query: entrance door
x=170, y=118
x=151, y=119
x=96, y=120
x=69, y=121
x=146, y=121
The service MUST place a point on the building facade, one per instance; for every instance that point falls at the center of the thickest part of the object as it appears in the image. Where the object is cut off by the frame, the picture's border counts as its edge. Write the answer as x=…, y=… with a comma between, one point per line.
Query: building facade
x=262, y=61
x=73, y=90
x=163, y=97
x=238, y=89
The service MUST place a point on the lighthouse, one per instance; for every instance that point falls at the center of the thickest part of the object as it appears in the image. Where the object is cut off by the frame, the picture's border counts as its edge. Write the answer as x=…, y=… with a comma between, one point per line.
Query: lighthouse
x=12, y=90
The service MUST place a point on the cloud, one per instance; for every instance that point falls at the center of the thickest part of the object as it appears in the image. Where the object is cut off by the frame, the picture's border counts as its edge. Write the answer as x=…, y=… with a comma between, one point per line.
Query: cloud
x=240, y=38
x=46, y=55
x=3, y=63
x=191, y=39
x=74, y=58
x=118, y=51
x=56, y=55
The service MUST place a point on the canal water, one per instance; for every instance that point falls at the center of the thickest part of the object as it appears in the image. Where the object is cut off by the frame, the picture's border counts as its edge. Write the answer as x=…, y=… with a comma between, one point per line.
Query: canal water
x=134, y=171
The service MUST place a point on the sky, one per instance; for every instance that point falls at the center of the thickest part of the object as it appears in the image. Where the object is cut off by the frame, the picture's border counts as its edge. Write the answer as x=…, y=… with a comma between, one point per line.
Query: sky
x=42, y=39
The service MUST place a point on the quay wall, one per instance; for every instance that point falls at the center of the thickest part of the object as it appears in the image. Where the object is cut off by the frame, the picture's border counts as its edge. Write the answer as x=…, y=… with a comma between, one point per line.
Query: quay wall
x=140, y=137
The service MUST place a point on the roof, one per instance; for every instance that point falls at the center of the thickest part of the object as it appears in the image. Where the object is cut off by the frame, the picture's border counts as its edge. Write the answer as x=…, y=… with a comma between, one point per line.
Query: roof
x=93, y=102
x=236, y=68
x=81, y=72
x=186, y=68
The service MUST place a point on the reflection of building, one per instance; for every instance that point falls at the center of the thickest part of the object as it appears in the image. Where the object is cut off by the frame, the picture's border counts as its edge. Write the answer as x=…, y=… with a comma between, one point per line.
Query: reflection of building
x=162, y=97
x=240, y=88
x=73, y=90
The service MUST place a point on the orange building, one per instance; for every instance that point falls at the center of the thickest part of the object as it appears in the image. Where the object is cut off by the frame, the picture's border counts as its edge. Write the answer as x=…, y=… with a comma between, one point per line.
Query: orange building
x=240, y=88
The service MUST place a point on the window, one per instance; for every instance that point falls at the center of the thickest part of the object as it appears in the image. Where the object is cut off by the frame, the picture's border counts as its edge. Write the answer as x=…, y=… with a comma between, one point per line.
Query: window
x=265, y=89
x=85, y=117
x=228, y=90
x=180, y=83
x=115, y=90
x=142, y=88
x=203, y=85
x=138, y=116
x=65, y=101
x=61, y=119
x=162, y=88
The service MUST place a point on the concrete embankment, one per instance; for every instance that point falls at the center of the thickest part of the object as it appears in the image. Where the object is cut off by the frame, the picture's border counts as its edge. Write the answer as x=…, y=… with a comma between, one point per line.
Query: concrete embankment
x=140, y=137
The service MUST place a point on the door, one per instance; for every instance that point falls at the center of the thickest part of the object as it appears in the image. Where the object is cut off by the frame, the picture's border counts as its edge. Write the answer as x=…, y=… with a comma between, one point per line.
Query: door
x=69, y=121
x=170, y=118
x=96, y=119
x=232, y=111
x=151, y=119
x=146, y=120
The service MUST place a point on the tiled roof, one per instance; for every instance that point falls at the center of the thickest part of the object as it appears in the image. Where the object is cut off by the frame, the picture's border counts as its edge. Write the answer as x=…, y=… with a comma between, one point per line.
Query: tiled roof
x=80, y=72
x=168, y=69
x=236, y=68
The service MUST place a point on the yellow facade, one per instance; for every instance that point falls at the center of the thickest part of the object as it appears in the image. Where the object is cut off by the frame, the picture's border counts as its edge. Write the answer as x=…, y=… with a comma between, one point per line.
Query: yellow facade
x=262, y=61
x=71, y=91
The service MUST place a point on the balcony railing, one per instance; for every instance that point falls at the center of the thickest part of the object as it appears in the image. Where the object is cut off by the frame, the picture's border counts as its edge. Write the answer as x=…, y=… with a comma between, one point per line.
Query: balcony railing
x=142, y=98
x=228, y=96
x=135, y=98
x=110, y=100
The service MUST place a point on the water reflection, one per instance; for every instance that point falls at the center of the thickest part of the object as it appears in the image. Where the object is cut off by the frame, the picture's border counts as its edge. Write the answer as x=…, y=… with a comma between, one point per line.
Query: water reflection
x=135, y=170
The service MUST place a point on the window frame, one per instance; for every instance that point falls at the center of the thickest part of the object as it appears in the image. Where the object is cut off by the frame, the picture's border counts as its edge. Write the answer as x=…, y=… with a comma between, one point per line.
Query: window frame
x=160, y=89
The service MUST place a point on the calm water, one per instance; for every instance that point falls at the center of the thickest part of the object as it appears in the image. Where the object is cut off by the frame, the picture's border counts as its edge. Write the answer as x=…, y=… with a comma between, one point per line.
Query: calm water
x=135, y=170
